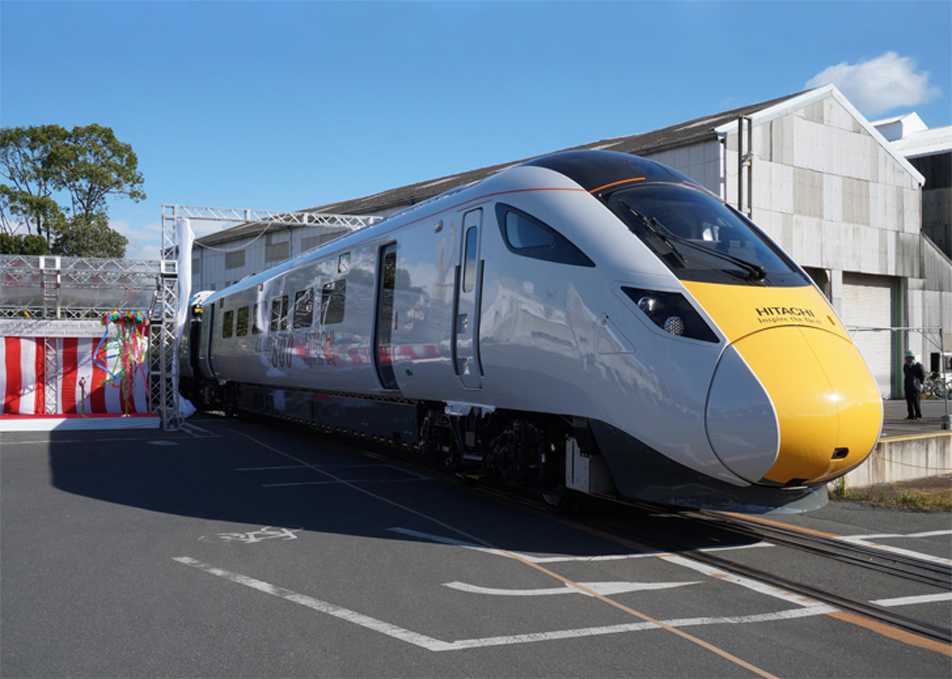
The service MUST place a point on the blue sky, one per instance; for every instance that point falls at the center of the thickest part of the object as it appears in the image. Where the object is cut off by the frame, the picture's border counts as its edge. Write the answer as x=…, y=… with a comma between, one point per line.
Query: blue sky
x=274, y=105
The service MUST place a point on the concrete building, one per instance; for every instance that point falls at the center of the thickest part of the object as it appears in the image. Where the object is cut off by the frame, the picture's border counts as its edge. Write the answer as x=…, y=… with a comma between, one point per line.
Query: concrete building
x=808, y=168
x=930, y=152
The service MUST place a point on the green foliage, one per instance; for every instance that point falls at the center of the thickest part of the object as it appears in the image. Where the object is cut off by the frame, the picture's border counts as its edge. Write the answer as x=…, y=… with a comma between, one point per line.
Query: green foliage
x=86, y=164
x=31, y=160
x=90, y=237
x=30, y=244
x=96, y=165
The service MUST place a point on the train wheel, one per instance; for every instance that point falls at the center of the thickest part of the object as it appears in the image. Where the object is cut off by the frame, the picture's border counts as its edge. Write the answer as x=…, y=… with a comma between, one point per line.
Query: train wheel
x=559, y=500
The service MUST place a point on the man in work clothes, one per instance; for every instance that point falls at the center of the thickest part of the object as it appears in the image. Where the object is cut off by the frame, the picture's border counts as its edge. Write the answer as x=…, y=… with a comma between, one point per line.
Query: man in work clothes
x=913, y=375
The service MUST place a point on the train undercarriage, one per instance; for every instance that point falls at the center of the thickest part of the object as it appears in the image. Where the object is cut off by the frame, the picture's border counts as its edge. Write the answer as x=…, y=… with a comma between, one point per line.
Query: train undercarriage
x=555, y=456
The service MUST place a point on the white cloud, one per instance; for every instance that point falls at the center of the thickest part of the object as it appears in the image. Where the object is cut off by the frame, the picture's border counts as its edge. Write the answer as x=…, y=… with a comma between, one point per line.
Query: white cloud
x=879, y=85
x=143, y=240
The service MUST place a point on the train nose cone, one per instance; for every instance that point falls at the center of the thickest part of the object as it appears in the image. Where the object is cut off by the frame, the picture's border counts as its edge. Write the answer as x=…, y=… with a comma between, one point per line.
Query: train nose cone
x=823, y=403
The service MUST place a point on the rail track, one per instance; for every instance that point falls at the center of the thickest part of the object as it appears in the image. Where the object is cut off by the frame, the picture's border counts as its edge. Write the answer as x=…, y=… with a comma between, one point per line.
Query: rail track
x=932, y=574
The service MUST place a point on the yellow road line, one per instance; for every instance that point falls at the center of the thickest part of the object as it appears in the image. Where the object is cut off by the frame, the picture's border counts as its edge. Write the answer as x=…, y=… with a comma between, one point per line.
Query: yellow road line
x=684, y=635
x=889, y=439
x=893, y=633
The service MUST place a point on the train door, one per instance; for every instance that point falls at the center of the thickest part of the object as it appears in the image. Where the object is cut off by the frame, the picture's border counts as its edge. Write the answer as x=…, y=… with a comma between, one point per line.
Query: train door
x=468, y=286
x=383, y=328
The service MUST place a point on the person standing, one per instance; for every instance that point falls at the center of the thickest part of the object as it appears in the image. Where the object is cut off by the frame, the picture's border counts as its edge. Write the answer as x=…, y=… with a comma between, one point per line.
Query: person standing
x=913, y=375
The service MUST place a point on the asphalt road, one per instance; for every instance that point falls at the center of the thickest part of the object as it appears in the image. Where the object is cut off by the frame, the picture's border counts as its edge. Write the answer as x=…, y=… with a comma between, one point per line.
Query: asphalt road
x=261, y=551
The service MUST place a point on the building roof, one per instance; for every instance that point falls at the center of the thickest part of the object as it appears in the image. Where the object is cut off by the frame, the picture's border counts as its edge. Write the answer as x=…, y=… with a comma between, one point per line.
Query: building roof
x=682, y=134
x=689, y=132
x=925, y=143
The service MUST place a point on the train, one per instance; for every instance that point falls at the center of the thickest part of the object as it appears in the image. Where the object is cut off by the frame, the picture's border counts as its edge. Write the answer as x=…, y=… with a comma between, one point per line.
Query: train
x=584, y=323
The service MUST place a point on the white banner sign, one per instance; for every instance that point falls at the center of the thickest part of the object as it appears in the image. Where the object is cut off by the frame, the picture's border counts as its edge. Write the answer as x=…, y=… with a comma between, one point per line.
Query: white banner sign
x=52, y=327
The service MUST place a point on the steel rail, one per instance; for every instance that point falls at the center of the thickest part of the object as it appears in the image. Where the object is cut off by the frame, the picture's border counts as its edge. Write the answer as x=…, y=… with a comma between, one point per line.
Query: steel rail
x=869, y=610
x=872, y=611
x=851, y=553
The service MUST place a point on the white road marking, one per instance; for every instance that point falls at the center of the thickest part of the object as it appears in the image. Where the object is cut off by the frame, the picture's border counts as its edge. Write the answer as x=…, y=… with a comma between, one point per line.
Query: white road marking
x=394, y=631
x=864, y=540
x=432, y=644
x=907, y=600
x=929, y=534
x=197, y=432
x=635, y=627
x=603, y=588
x=97, y=440
x=760, y=587
x=552, y=559
x=336, y=483
x=251, y=537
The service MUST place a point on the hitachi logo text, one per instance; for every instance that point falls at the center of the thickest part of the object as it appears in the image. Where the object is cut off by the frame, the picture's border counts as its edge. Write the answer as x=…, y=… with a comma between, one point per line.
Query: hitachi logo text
x=784, y=311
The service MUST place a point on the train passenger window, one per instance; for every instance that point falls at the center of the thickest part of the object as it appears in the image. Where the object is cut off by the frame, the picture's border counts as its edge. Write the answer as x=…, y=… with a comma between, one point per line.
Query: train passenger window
x=523, y=233
x=469, y=266
x=333, y=295
x=256, y=319
x=227, y=323
x=529, y=237
x=283, y=321
x=304, y=308
x=275, y=314
x=242, y=328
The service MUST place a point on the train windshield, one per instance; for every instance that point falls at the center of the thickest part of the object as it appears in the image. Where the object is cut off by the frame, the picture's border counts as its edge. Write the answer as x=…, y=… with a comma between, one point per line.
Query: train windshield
x=701, y=239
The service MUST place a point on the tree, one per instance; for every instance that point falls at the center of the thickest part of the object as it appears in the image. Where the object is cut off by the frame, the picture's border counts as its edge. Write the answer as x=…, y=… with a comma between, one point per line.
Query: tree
x=30, y=244
x=87, y=165
x=95, y=166
x=90, y=237
x=31, y=159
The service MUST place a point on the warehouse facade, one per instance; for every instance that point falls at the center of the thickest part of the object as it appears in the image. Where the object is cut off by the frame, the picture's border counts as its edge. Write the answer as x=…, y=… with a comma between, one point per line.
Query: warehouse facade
x=808, y=168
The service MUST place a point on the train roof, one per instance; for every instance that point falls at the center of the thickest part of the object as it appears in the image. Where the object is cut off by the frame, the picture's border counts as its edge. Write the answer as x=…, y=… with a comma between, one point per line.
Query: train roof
x=672, y=136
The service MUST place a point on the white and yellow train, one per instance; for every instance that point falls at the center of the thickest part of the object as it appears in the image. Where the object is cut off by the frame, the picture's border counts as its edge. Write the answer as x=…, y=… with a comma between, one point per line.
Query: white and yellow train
x=585, y=322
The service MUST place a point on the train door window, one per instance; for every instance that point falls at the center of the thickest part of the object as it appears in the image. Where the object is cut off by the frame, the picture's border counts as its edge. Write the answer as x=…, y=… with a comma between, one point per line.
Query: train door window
x=275, y=314
x=227, y=323
x=469, y=265
x=242, y=328
x=256, y=319
x=283, y=322
x=333, y=296
x=383, y=330
x=304, y=308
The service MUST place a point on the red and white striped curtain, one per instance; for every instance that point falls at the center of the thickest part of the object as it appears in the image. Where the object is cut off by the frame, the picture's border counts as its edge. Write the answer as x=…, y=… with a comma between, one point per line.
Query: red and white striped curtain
x=82, y=385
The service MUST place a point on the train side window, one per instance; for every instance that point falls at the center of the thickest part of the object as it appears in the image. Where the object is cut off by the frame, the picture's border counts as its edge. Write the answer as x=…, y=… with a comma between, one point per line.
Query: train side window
x=242, y=328
x=529, y=237
x=333, y=296
x=256, y=319
x=227, y=323
x=523, y=233
x=304, y=308
x=275, y=314
x=283, y=322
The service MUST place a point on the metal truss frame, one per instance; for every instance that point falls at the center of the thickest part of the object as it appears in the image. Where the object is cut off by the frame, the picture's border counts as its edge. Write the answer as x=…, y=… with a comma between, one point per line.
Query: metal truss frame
x=163, y=370
x=53, y=275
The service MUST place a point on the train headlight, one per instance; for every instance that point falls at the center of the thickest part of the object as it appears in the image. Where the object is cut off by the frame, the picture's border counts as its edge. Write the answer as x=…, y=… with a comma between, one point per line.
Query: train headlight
x=671, y=312
x=674, y=325
x=647, y=304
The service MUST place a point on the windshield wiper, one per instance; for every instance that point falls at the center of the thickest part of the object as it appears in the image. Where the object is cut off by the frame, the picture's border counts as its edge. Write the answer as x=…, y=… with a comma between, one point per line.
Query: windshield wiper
x=754, y=271
x=647, y=223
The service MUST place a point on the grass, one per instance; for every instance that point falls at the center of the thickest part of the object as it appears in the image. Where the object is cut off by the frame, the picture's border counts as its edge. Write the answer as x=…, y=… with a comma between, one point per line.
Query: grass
x=940, y=501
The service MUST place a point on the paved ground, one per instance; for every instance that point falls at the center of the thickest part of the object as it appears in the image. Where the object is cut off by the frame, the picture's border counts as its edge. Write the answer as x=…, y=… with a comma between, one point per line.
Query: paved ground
x=255, y=550
x=896, y=424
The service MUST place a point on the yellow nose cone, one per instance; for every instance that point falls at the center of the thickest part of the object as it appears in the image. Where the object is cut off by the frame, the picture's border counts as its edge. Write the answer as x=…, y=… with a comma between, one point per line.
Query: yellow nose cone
x=828, y=406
